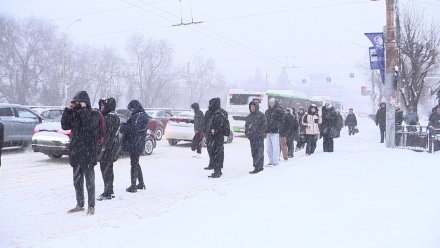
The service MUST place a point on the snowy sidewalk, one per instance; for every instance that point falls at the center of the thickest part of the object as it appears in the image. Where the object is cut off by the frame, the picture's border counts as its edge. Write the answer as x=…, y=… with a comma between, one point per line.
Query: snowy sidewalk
x=362, y=195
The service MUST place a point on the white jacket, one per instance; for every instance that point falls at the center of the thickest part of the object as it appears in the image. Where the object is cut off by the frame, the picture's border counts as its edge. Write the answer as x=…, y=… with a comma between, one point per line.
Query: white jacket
x=310, y=122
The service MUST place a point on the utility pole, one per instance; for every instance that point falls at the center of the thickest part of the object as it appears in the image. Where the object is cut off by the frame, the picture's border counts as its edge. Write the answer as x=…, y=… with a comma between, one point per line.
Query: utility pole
x=390, y=63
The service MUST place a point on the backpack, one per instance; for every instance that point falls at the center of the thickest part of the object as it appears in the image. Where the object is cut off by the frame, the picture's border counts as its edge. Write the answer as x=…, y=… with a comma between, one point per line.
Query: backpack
x=225, y=124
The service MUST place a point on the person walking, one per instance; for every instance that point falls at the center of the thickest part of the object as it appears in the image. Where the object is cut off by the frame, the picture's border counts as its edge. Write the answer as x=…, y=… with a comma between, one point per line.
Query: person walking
x=329, y=127
x=301, y=140
x=199, y=127
x=311, y=121
x=84, y=124
x=110, y=148
x=274, y=117
x=218, y=127
x=255, y=130
x=134, y=138
x=381, y=118
x=351, y=122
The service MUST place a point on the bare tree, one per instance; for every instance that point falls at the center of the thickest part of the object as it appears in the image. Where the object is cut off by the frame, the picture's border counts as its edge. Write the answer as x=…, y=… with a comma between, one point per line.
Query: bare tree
x=419, y=52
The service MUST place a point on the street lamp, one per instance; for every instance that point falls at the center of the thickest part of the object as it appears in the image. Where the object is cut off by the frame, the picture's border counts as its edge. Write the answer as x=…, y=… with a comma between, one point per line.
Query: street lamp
x=64, y=85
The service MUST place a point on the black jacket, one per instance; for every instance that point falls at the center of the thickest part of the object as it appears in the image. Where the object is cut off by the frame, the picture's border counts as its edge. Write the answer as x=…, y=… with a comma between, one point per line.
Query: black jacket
x=256, y=124
x=399, y=117
x=381, y=117
x=216, y=118
x=329, y=121
x=199, y=118
x=434, y=120
x=288, y=126
x=111, y=123
x=84, y=123
x=274, y=117
x=351, y=120
x=135, y=130
x=301, y=127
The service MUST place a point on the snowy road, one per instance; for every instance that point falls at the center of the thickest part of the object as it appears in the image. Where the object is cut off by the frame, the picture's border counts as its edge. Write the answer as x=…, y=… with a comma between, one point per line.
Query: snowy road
x=363, y=195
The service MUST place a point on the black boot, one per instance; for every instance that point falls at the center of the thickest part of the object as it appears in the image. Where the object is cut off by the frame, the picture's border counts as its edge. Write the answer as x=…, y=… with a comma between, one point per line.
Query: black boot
x=140, y=186
x=104, y=196
x=209, y=168
x=216, y=174
x=255, y=171
x=132, y=189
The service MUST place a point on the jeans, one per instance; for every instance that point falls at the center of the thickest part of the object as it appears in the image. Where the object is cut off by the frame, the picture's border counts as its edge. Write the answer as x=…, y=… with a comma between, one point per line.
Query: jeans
x=273, y=148
x=257, y=150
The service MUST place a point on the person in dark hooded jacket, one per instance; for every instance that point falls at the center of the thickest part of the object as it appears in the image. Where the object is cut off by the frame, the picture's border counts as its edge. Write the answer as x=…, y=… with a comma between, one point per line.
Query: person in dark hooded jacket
x=381, y=120
x=133, y=141
x=199, y=128
x=255, y=130
x=286, y=132
x=274, y=116
x=329, y=127
x=109, y=149
x=351, y=121
x=215, y=137
x=84, y=124
x=301, y=140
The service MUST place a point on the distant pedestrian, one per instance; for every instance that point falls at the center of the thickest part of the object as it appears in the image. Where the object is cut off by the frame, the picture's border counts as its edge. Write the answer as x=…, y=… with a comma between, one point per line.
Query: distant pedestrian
x=293, y=132
x=255, y=130
x=84, y=124
x=199, y=128
x=312, y=121
x=301, y=140
x=134, y=138
x=286, y=131
x=109, y=148
x=2, y=138
x=217, y=127
x=274, y=116
x=381, y=118
x=434, y=125
x=340, y=123
x=351, y=122
x=329, y=127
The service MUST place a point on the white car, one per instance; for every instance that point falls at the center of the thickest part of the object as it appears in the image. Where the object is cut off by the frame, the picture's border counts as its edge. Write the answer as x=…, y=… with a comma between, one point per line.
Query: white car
x=181, y=128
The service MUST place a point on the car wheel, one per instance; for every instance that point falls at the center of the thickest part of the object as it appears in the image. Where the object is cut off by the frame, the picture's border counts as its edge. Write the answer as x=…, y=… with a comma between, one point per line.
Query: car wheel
x=149, y=146
x=55, y=155
x=230, y=137
x=172, y=142
x=159, y=133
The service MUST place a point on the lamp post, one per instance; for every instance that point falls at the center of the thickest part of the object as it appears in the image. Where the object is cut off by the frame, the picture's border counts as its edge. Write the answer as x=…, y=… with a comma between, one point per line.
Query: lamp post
x=64, y=86
x=187, y=73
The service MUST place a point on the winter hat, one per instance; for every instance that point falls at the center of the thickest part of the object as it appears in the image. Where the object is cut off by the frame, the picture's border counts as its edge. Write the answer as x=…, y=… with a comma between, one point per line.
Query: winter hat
x=195, y=106
x=135, y=106
x=82, y=96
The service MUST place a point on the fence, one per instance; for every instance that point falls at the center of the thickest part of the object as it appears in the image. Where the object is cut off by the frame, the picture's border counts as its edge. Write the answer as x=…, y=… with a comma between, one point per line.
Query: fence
x=418, y=138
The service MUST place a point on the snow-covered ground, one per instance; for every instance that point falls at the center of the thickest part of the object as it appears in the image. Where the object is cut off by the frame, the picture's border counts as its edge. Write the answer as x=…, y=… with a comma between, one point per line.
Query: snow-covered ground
x=362, y=195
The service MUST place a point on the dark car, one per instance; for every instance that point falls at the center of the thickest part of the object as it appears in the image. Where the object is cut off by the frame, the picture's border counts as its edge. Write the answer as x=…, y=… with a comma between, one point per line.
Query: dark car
x=19, y=123
x=154, y=125
x=52, y=140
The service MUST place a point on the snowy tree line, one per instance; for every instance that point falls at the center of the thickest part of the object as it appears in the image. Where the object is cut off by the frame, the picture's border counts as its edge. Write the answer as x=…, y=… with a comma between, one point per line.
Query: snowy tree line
x=39, y=65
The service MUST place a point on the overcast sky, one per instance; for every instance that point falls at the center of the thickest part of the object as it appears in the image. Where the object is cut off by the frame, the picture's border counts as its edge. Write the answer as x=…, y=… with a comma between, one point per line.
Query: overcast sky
x=318, y=36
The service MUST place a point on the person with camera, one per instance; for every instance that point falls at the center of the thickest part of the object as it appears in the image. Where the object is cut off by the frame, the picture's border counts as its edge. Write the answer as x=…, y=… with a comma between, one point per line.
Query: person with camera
x=311, y=121
x=83, y=121
x=134, y=138
x=109, y=149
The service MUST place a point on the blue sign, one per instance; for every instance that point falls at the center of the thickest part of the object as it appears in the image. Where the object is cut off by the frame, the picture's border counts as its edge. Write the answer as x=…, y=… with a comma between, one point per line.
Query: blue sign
x=379, y=45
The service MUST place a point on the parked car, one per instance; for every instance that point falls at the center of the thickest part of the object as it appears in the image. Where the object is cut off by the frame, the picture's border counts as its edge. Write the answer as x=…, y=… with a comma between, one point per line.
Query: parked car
x=48, y=113
x=181, y=128
x=19, y=123
x=155, y=126
x=161, y=115
x=52, y=140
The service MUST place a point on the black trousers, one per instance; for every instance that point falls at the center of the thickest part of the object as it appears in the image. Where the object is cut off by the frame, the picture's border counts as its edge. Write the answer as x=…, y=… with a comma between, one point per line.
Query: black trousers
x=290, y=146
x=382, y=133
x=136, y=171
x=197, y=142
x=311, y=140
x=79, y=173
x=107, y=171
x=350, y=130
x=257, y=150
x=216, y=152
x=327, y=143
x=301, y=142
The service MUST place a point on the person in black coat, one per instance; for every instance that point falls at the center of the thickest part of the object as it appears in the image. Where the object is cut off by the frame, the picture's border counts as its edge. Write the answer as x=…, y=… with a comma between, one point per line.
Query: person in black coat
x=381, y=119
x=301, y=140
x=274, y=116
x=133, y=141
x=2, y=139
x=255, y=130
x=351, y=121
x=329, y=127
x=84, y=124
x=215, y=137
x=199, y=127
x=293, y=132
x=109, y=148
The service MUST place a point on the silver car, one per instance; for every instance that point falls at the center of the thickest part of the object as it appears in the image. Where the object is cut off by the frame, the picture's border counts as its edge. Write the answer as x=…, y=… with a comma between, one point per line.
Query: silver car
x=181, y=128
x=19, y=123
